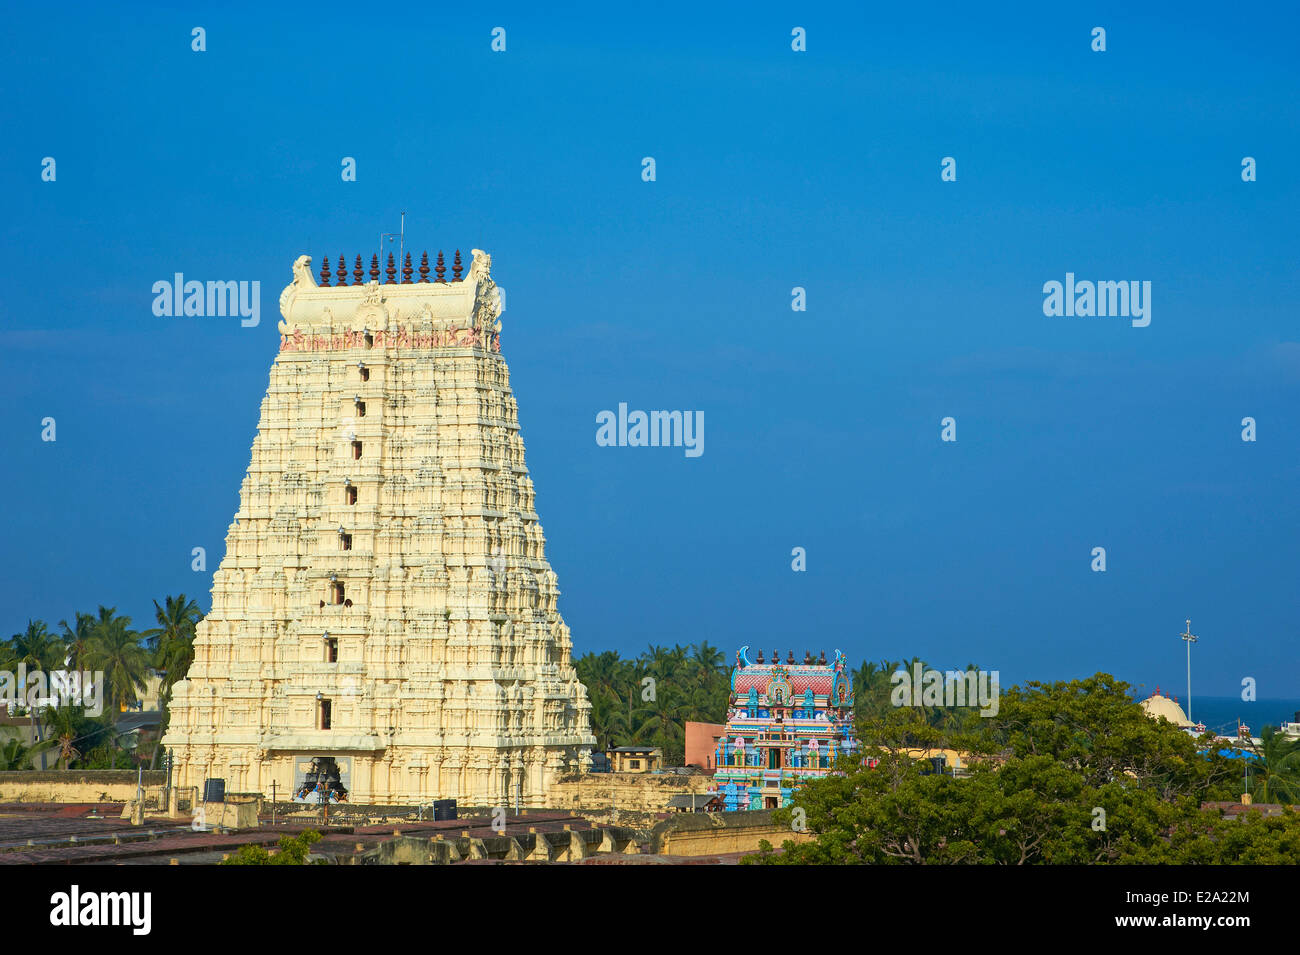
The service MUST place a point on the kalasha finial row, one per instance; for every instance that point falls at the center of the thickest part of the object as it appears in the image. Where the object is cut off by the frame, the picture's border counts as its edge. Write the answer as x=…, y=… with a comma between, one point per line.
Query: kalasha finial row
x=359, y=272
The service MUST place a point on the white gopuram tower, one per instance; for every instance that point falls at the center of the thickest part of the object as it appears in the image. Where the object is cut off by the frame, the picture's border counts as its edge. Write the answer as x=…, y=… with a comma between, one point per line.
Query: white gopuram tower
x=385, y=608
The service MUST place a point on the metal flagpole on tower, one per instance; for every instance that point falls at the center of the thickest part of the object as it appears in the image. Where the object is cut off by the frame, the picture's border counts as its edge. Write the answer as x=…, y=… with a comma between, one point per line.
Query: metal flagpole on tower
x=1189, y=639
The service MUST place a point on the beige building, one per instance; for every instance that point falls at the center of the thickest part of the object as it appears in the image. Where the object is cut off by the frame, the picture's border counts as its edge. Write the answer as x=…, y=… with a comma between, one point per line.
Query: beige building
x=385, y=608
x=635, y=759
x=149, y=698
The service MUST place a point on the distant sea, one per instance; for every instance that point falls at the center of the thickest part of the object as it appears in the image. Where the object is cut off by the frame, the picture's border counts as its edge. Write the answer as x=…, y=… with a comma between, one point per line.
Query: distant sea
x=1220, y=713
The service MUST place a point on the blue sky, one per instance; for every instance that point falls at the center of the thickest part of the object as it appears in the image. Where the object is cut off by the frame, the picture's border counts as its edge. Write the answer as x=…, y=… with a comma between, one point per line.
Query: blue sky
x=774, y=169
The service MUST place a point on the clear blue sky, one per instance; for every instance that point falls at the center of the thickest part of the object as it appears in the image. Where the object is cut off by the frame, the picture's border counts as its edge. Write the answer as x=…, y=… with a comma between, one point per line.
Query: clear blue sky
x=775, y=169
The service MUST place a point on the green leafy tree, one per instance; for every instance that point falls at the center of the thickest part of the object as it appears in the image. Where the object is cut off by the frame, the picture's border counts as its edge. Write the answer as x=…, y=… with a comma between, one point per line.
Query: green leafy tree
x=1094, y=727
x=294, y=850
x=1210, y=837
x=1071, y=772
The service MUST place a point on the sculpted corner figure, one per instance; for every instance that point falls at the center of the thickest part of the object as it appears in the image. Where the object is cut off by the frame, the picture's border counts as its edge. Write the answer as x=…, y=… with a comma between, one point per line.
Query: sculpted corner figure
x=481, y=267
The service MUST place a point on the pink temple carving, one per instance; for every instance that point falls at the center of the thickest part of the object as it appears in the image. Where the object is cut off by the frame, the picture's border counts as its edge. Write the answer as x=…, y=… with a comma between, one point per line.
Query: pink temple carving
x=403, y=338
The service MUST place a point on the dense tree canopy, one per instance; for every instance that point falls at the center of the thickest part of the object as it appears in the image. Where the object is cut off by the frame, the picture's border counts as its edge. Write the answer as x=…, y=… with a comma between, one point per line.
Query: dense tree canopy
x=1069, y=772
x=648, y=701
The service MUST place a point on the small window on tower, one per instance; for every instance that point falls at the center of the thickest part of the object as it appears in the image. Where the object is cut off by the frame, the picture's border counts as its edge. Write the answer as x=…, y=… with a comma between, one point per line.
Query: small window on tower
x=336, y=593
x=365, y=373
x=370, y=340
x=332, y=650
x=361, y=409
x=356, y=450
x=345, y=542
x=325, y=714
x=350, y=494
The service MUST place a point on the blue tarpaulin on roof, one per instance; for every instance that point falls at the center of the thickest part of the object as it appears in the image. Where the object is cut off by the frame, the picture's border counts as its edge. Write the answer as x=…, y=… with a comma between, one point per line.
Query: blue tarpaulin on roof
x=1236, y=754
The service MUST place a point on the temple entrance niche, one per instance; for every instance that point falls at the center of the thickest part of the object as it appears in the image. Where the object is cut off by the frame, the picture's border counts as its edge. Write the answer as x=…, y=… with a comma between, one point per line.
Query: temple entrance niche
x=319, y=777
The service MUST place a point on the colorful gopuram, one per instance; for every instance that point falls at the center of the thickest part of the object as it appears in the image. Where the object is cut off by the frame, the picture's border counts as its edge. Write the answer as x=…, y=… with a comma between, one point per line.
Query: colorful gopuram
x=786, y=723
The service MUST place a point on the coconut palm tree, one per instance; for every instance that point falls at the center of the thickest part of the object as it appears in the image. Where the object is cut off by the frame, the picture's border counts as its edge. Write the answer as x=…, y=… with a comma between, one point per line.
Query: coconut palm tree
x=172, y=643
x=66, y=725
x=707, y=655
x=627, y=710
x=14, y=755
x=1277, y=772
x=77, y=640
x=177, y=619
x=116, y=651
x=36, y=649
x=872, y=685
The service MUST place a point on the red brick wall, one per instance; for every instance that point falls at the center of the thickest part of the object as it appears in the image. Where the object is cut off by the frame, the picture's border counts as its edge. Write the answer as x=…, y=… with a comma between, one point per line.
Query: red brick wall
x=701, y=740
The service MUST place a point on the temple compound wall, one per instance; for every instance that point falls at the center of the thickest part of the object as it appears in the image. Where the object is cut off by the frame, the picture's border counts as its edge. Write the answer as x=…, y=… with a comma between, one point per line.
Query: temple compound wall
x=384, y=626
